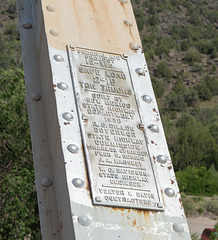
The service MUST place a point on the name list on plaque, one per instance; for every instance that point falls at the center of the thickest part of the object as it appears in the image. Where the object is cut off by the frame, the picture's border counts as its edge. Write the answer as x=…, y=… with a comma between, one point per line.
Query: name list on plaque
x=119, y=168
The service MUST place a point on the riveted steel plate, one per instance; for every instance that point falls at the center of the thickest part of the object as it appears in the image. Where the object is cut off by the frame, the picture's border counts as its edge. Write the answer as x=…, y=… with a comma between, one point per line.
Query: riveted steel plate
x=119, y=167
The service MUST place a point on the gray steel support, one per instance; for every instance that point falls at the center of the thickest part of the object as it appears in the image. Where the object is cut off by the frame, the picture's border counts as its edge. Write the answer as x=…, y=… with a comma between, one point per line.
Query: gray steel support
x=103, y=169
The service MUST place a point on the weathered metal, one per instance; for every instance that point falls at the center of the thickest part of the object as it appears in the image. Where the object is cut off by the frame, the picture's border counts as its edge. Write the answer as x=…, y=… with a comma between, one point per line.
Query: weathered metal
x=97, y=120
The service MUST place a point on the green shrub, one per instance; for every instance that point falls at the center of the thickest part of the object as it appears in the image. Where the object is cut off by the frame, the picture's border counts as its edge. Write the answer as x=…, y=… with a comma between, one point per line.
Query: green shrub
x=207, y=88
x=184, y=46
x=194, y=180
x=192, y=57
x=153, y=20
x=163, y=71
x=212, y=205
x=159, y=87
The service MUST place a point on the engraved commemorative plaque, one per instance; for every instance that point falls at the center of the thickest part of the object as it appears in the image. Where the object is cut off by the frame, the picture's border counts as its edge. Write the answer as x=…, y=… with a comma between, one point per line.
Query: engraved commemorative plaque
x=119, y=166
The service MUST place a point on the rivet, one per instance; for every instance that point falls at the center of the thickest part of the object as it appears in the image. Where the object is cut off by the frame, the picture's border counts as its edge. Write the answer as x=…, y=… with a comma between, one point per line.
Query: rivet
x=67, y=116
x=35, y=96
x=177, y=227
x=27, y=25
x=98, y=199
x=63, y=86
x=169, y=192
x=128, y=22
x=72, y=148
x=50, y=8
x=58, y=58
x=161, y=159
x=146, y=98
x=134, y=46
x=46, y=182
x=153, y=128
x=159, y=205
x=141, y=126
x=78, y=183
x=54, y=32
x=84, y=220
x=123, y=1
x=140, y=71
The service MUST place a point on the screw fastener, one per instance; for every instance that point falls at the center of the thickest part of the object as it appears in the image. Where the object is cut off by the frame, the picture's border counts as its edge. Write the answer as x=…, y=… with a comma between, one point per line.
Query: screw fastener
x=169, y=192
x=67, y=116
x=154, y=128
x=58, y=58
x=35, y=96
x=177, y=227
x=84, y=220
x=141, y=126
x=159, y=205
x=134, y=46
x=98, y=199
x=27, y=25
x=78, y=183
x=146, y=98
x=46, y=182
x=161, y=159
x=140, y=71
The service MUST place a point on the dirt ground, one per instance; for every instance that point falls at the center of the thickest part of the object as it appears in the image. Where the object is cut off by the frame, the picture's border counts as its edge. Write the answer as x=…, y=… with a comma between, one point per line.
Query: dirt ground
x=197, y=225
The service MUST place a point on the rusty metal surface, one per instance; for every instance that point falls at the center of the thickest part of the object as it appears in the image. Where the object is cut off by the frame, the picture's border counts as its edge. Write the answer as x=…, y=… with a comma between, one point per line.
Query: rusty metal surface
x=60, y=124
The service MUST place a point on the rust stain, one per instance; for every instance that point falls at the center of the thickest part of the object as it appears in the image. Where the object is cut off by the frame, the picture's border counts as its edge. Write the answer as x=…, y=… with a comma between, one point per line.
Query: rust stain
x=172, y=182
x=154, y=110
x=134, y=223
x=170, y=167
x=152, y=142
x=130, y=31
x=54, y=85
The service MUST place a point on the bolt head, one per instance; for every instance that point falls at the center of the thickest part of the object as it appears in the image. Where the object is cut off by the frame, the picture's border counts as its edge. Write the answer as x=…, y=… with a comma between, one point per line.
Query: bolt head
x=161, y=159
x=67, y=116
x=169, y=192
x=140, y=71
x=54, y=32
x=46, y=182
x=63, y=86
x=154, y=128
x=146, y=98
x=58, y=58
x=123, y=1
x=73, y=148
x=50, y=8
x=27, y=25
x=35, y=96
x=84, y=220
x=177, y=227
x=78, y=183
x=134, y=46
x=128, y=22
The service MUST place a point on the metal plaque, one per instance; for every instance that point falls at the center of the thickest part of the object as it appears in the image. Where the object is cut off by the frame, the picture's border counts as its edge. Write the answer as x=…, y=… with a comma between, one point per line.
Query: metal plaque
x=119, y=166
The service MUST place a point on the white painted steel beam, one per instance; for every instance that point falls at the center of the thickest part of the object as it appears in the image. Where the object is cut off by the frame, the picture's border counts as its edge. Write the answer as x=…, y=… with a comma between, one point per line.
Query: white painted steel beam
x=103, y=169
